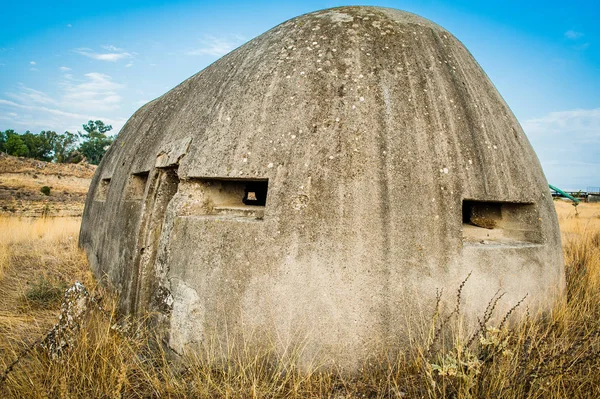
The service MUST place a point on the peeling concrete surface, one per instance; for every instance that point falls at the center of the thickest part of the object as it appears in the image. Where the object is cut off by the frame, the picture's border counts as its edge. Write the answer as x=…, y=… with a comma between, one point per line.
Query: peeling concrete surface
x=371, y=127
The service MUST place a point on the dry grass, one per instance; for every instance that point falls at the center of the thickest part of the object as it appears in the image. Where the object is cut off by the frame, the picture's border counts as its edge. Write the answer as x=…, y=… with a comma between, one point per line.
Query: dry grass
x=25, y=166
x=551, y=356
x=35, y=254
x=21, y=180
x=33, y=183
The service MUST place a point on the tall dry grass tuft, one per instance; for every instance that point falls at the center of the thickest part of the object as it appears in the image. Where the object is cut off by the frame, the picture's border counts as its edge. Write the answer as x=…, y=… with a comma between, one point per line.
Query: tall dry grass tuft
x=39, y=242
x=554, y=355
x=103, y=362
x=38, y=257
x=581, y=247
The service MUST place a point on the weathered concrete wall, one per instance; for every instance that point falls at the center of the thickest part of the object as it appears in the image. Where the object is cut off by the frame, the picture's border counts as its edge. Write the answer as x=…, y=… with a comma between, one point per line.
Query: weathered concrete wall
x=372, y=126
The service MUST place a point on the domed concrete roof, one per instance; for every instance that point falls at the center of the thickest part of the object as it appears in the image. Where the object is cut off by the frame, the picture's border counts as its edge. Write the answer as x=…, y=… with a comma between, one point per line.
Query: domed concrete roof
x=319, y=184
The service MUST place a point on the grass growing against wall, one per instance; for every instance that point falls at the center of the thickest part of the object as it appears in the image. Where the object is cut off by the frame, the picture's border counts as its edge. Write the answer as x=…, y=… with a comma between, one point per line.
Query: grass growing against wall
x=554, y=356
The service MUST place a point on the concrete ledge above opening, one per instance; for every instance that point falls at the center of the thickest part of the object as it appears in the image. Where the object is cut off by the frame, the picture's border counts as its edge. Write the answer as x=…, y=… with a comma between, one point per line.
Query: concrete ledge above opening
x=254, y=211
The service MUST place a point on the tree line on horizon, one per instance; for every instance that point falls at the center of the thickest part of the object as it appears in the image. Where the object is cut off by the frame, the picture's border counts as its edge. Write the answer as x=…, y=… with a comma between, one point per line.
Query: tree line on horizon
x=49, y=146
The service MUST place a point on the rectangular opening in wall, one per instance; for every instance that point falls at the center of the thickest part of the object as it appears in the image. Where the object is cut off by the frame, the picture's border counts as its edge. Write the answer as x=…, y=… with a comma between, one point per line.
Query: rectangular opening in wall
x=102, y=190
x=500, y=223
x=226, y=197
x=136, y=186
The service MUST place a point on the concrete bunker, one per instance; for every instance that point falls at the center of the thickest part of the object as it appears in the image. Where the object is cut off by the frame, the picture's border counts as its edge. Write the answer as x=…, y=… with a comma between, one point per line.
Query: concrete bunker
x=316, y=186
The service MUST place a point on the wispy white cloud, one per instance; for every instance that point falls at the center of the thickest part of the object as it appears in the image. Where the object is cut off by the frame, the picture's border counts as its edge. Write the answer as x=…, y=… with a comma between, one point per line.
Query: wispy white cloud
x=93, y=96
x=113, y=54
x=568, y=145
x=31, y=117
x=581, y=121
x=96, y=93
x=129, y=65
x=573, y=34
x=52, y=111
x=64, y=69
x=28, y=95
x=216, y=46
x=31, y=62
x=110, y=47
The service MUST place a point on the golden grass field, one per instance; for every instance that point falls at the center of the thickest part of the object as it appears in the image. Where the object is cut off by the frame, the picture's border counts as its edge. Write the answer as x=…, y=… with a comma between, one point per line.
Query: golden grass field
x=552, y=356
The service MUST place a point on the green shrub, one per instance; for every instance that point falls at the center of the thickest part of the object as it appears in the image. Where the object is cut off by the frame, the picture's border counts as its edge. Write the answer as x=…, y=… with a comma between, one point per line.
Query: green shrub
x=45, y=293
x=45, y=190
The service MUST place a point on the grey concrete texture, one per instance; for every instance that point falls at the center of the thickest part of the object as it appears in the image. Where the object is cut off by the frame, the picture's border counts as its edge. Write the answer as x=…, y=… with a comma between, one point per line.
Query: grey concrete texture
x=393, y=169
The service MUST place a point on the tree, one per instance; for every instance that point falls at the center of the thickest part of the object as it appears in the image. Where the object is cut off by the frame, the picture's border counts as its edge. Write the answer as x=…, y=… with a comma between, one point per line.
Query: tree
x=3, y=141
x=15, y=146
x=64, y=147
x=95, y=142
x=4, y=137
x=97, y=126
x=49, y=137
x=39, y=145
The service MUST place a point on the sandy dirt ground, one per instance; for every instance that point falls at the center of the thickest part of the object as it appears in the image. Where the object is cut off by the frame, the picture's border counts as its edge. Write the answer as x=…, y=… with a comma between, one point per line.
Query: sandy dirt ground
x=22, y=179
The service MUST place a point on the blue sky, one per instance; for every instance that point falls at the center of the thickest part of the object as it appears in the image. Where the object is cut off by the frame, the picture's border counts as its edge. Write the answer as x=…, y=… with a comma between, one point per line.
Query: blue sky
x=65, y=62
